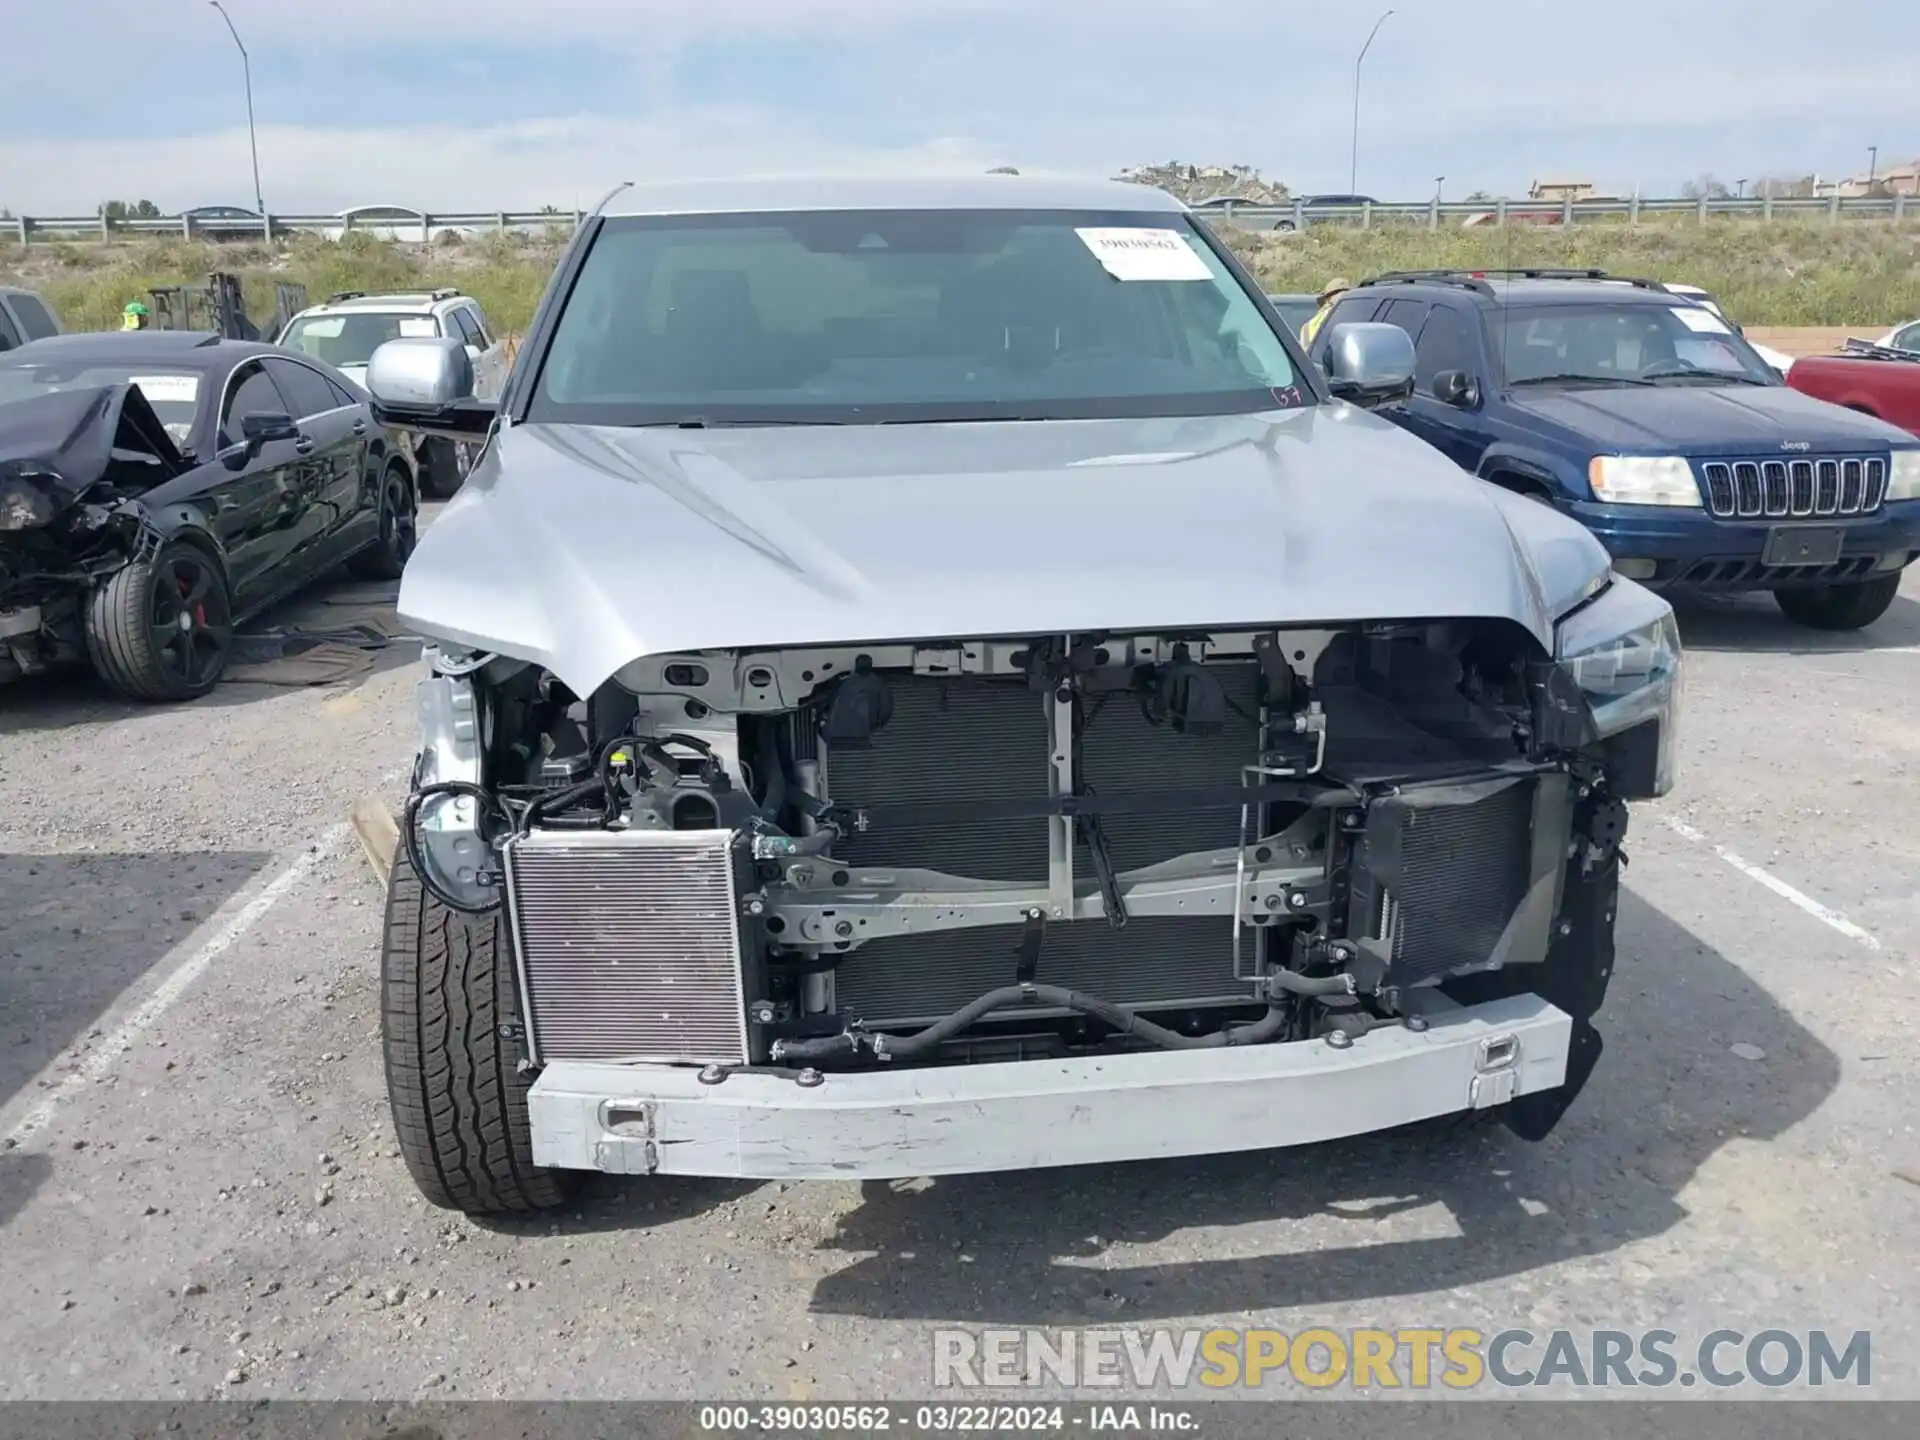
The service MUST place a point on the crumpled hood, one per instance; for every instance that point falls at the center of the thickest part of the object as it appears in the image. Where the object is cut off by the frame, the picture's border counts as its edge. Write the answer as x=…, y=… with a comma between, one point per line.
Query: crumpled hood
x=63, y=442
x=583, y=548
x=1698, y=420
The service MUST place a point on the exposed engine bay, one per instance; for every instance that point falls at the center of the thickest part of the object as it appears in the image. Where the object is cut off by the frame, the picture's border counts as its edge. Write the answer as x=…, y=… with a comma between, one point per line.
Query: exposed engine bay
x=1015, y=848
x=72, y=464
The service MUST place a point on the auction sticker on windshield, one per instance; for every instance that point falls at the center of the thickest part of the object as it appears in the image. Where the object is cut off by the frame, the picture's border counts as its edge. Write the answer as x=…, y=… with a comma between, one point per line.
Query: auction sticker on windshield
x=417, y=329
x=167, y=389
x=1705, y=322
x=1140, y=254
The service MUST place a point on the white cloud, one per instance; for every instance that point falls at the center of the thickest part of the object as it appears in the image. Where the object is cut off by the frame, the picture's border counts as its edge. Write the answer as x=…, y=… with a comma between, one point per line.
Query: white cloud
x=1490, y=92
x=569, y=162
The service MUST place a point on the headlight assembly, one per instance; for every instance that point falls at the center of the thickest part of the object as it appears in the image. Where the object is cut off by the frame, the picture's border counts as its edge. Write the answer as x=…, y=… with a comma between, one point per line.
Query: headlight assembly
x=24, y=504
x=1643, y=480
x=1903, y=476
x=1623, y=653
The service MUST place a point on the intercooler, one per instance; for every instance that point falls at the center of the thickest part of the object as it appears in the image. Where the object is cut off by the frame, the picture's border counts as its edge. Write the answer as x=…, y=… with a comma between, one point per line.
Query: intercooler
x=628, y=944
x=971, y=739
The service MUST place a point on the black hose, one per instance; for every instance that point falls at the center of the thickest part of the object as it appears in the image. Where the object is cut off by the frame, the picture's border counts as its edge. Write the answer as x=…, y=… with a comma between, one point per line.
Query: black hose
x=410, y=839
x=775, y=765
x=1297, y=984
x=1009, y=997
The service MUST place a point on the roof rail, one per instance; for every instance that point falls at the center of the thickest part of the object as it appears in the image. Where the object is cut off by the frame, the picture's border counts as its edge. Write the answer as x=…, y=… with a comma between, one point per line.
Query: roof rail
x=1465, y=279
x=446, y=292
x=339, y=295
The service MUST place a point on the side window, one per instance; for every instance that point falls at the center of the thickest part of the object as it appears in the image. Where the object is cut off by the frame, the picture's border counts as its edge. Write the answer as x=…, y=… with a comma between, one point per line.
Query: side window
x=8, y=337
x=1907, y=339
x=1445, y=343
x=251, y=392
x=341, y=394
x=1407, y=314
x=307, y=391
x=35, y=320
x=476, y=331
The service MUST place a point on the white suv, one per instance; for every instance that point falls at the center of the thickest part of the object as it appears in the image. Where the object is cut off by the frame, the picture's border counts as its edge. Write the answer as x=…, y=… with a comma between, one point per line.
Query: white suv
x=346, y=330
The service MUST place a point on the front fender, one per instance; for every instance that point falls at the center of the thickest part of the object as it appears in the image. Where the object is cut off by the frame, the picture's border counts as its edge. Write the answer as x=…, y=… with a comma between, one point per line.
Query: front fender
x=1542, y=467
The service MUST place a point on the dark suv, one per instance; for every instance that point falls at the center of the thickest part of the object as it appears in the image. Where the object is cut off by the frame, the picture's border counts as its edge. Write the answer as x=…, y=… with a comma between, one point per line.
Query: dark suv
x=1649, y=419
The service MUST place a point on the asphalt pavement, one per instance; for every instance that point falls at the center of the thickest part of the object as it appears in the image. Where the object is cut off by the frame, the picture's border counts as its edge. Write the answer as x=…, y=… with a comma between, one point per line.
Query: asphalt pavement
x=200, y=1194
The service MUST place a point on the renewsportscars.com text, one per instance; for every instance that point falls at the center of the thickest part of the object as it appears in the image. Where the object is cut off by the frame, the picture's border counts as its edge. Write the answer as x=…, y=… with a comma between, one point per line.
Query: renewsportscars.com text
x=1404, y=1359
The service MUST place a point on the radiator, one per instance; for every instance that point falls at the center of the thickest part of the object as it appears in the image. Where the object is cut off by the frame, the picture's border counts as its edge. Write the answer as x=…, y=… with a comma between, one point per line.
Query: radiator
x=628, y=945
x=1441, y=881
x=970, y=739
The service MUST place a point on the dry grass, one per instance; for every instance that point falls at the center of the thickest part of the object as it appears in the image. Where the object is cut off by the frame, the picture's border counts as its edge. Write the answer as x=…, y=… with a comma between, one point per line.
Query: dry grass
x=1800, y=272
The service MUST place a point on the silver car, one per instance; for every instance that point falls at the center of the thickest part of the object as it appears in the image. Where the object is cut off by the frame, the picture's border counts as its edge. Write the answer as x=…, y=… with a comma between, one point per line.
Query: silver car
x=923, y=677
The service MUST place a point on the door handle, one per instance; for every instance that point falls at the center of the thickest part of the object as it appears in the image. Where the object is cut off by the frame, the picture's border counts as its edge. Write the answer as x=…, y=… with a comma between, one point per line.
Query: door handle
x=359, y=427
x=303, y=446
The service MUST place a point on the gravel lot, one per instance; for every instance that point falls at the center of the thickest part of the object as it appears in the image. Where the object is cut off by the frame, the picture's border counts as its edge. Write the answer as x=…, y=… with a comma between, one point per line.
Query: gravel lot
x=200, y=1196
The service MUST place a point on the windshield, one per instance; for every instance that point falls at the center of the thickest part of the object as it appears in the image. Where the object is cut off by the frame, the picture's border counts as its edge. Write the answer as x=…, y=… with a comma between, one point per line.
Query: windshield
x=350, y=338
x=173, y=394
x=1622, y=345
x=859, y=317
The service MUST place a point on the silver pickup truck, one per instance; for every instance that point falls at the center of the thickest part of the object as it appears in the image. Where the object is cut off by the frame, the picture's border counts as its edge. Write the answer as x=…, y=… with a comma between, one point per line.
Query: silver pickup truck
x=924, y=677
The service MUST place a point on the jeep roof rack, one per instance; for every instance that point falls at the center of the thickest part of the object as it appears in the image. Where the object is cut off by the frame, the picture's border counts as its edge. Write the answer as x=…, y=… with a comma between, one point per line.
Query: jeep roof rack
x=1478, y=277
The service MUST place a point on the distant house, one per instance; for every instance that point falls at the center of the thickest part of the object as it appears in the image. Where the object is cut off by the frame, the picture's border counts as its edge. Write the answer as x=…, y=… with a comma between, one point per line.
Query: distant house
x=1896, y=179
x=1557, y=190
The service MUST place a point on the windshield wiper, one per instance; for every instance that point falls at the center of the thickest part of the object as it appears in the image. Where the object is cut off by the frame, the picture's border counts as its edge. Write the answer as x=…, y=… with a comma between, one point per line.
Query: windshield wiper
x=1571, y=379
x=1712, y=377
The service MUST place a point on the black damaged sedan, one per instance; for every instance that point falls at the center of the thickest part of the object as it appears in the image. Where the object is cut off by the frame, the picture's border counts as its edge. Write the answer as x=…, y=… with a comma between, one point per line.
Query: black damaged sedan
x=158, y=487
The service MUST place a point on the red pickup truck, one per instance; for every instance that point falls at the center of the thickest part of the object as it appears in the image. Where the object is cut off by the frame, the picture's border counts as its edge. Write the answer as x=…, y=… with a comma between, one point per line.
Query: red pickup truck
x=1871, y=378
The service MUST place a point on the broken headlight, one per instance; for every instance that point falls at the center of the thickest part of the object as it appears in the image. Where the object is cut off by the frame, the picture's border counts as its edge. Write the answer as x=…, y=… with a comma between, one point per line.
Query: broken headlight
x=24, y=501
x=1623, y=653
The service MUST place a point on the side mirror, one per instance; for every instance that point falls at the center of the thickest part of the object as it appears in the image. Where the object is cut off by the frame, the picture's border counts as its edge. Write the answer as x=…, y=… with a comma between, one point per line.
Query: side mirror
x=426, y=385
x=1456, y=388
x=1369, y=364
x=265, y=428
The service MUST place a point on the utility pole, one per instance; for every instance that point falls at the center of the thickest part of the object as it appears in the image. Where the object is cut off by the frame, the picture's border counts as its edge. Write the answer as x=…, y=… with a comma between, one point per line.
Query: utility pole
x=1873, y=163
x=1438, y=181
x=246, y=71
x=1353, y=178
x=1740, y=189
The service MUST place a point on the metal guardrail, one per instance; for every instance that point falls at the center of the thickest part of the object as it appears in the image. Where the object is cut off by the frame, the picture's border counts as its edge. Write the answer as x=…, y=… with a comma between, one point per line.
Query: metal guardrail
x=1298, y=216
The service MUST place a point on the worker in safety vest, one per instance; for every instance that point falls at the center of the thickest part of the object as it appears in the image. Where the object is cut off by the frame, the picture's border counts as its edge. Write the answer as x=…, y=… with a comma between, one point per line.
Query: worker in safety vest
x=1333, y=290
x=135, y=316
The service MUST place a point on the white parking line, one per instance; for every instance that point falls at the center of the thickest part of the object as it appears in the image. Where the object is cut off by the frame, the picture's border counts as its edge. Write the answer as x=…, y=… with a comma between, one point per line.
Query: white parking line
x=178, y=980
x=1827, y=916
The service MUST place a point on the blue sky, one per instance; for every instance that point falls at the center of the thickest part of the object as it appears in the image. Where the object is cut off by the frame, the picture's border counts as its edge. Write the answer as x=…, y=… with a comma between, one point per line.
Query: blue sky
x=457, y=104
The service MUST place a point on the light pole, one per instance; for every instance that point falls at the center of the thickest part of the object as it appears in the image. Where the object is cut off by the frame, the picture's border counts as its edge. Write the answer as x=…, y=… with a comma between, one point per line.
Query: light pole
x=1353, y=178
x=1873, y=162
x=1438, y=181
x=246, y=70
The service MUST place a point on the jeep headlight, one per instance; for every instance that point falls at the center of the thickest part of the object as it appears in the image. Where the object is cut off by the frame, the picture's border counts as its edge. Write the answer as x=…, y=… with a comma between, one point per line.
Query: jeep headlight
x=1643, y=480
x=1623, y=652
x=1903, y=475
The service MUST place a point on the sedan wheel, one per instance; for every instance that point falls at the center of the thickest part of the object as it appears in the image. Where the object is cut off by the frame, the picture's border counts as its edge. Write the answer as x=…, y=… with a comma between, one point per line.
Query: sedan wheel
x=398, y=529
x=161, y=629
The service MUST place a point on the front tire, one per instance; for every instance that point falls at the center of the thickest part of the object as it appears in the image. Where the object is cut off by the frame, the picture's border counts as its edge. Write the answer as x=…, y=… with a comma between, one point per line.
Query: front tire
x=443, y=466
x=458, y=1098
x=1840, y=607
x=161, y=628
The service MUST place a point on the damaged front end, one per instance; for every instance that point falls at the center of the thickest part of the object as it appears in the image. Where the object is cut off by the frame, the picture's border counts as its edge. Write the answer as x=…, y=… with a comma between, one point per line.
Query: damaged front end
x=71, y=464
x=758, y=867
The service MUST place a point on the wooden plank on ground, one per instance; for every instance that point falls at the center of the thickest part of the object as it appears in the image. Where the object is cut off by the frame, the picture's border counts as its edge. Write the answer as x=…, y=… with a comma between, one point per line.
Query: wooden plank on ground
x=379, y=833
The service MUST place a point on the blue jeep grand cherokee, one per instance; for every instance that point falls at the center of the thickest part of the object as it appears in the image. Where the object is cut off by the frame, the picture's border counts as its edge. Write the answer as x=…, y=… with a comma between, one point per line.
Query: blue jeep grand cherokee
x=1649, y=419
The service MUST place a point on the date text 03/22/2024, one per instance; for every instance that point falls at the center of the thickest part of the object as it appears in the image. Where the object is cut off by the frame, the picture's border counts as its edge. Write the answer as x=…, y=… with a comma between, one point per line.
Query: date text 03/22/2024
x=979, y=1419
